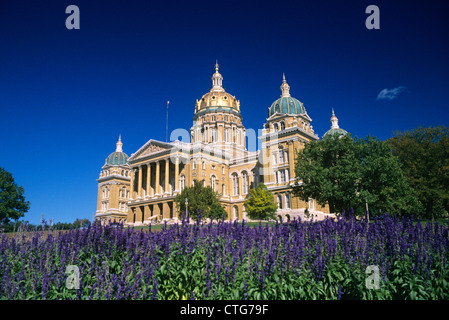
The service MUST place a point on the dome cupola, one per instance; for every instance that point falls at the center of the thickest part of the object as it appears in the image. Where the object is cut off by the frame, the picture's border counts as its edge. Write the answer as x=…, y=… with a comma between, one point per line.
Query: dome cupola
x=117, y=158
x=286, y=104
x=335, y=128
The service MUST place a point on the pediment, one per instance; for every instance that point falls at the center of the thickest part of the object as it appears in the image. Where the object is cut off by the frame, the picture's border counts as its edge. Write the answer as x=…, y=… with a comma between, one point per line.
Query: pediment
x=150, y=148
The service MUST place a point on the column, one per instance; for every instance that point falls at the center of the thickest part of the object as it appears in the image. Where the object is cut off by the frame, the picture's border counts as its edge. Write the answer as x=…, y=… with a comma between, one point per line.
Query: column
x=158, y=174
x=177, y=175
x=149, y=180
x=167, y=172
x=147, y=212
x=139, y=186
x=131, y=189
x=291, y=160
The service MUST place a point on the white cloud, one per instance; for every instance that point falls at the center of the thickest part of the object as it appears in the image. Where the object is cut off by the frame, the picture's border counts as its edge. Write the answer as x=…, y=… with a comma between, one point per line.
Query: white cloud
x=390, y=94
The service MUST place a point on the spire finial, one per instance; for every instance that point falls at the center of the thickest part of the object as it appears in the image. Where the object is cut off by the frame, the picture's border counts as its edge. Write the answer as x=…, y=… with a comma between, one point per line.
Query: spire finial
x=285, y=88
x=119, y=144
x=217, y=79
x=334, y=120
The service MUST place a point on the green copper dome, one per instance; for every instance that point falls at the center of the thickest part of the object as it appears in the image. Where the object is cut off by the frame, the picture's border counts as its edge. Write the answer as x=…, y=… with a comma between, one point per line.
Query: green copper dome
x=335, y=128
x=117, y=159
x=286, y=103
x=336, y=131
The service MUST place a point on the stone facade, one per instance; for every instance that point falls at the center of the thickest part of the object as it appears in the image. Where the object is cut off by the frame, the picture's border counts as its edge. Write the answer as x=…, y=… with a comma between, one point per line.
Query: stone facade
x=141, y=188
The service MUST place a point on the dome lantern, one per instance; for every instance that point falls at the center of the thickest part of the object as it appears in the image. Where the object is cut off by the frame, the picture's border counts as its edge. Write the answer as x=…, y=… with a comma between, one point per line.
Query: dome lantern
x=286, y=104
x=117, y=158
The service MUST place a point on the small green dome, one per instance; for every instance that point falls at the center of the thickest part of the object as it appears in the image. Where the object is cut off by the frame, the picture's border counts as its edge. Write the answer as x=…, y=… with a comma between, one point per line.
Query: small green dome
x=286, y=105
x=335, y=128
x=117, y=159
x=335, y=131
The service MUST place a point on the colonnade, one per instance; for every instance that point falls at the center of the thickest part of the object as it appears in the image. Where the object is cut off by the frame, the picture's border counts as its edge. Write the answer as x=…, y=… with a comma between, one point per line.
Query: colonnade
x=153, y=172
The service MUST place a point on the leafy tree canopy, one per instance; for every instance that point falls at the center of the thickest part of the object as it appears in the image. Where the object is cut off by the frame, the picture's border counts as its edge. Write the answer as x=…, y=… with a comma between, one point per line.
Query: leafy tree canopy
x=347, y=172
x=12, y=200
x=200, y=199
x=424, y=157
x=260, y=203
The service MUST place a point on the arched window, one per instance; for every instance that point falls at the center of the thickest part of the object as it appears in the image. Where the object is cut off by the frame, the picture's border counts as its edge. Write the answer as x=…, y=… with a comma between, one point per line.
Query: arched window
x=223, y=189
x=203, y=165
x=279, y=201
x=106, y=192
x=245, y=182
x=213, y=118
x=213, y=182
x=182, y=182
x=235, y=184
x=235, y=212
x=288, y=201
x=276, y=127
x=282, y=125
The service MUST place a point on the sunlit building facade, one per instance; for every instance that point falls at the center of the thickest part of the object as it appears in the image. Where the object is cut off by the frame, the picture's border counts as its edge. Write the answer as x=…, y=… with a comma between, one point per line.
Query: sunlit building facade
x=141, y=188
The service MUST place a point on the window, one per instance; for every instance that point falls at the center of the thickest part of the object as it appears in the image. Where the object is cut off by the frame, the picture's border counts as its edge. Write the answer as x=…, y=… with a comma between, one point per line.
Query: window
x=281, y=156
x=214, y=135
x=106, y=193
x=235, y=212
x=213, y=182
x=222, y=170
x=282, y=125
x=203, y=165
x=245, y=182
x=255, y=177
x=279, y=201
x=276, y=127
x=213, y=118
x=225, y=118
x=182, y=182
x=282, y=177
x=193, y=164
x=226, y=135
x=235, y=184
x=288, y=201
x=223, y=189
x=275, y=158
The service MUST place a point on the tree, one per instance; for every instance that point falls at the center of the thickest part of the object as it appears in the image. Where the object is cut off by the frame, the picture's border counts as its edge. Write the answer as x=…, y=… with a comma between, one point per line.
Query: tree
x=200, y=199
x=327, y=171
x=81, y=223
x=260, y=203
x=424, y=156
x=12, y=200
x=346, y=172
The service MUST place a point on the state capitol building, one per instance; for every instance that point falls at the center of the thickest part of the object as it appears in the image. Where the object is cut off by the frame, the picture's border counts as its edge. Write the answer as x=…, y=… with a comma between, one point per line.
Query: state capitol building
x=140, y=189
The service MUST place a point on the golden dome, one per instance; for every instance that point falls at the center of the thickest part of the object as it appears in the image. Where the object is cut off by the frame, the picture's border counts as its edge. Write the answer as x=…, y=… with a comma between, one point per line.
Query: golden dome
x=217, y=97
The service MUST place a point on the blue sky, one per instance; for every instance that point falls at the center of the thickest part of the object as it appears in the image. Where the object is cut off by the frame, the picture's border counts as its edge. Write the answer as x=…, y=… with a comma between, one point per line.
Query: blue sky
x=66, y=95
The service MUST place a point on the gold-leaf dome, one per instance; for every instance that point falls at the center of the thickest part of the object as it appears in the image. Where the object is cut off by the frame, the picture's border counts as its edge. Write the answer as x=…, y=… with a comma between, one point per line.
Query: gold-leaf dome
x=217, y=97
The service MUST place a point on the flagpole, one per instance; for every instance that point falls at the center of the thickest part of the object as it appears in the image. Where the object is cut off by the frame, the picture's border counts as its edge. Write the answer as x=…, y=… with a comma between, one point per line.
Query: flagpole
x=166, y=126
